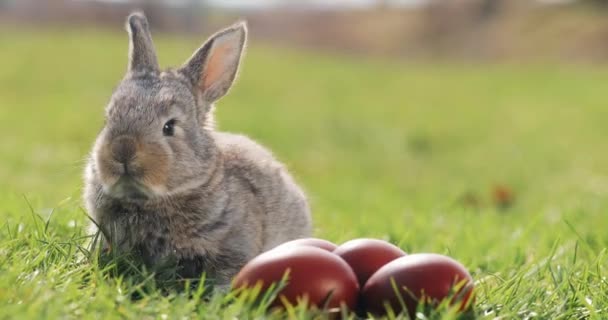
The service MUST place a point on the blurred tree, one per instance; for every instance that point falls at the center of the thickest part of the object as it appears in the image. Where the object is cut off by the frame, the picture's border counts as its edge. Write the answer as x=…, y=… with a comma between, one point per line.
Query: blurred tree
x=192, y=15
x=489, y=8
x=598, y=3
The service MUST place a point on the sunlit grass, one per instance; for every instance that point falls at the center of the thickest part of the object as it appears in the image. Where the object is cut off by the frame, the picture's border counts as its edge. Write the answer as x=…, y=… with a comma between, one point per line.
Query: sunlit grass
x=395, y=150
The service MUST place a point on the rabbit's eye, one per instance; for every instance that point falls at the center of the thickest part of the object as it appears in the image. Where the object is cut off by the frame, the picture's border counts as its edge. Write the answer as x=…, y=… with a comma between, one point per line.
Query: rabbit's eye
x=169, y=128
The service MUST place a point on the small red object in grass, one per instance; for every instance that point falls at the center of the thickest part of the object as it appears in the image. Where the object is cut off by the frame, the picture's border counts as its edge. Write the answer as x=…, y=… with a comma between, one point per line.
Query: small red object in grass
x=415, y=276
x=321, y=276
x=366, y=256
x=310, y=242
x=502, y=196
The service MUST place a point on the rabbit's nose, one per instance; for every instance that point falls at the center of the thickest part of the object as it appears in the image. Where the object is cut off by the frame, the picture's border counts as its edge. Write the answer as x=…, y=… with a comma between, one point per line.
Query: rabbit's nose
x=123, y=149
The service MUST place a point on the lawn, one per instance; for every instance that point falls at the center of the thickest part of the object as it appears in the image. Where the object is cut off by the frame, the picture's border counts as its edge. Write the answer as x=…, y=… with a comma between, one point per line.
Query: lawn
x=408, y=152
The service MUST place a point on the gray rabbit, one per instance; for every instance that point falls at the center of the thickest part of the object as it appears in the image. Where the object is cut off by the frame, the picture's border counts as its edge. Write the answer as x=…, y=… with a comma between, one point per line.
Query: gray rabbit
x=163, y=183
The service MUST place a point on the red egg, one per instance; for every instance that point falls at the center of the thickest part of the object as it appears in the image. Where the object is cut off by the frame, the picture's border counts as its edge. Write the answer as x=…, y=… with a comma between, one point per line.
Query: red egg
x=431, y=276
x=321, y=276
x=366, y=256
x=311, y=242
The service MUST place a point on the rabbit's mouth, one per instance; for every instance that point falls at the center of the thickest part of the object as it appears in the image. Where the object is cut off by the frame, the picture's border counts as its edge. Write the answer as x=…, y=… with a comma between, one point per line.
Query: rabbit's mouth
x=129, y=189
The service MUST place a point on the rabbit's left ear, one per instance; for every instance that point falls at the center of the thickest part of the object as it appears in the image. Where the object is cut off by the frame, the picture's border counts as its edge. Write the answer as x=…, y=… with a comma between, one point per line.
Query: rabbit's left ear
x=214, y=66
x=142, y=56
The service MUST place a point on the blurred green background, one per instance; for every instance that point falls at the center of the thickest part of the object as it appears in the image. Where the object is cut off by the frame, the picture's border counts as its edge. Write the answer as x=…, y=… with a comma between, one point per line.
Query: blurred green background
x=486, y=142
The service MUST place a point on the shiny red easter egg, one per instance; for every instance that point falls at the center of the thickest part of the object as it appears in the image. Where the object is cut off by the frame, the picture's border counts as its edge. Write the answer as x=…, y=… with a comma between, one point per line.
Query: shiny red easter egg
x=366, y=256
x=427, y=276
x=311, y=242
x=321, y=276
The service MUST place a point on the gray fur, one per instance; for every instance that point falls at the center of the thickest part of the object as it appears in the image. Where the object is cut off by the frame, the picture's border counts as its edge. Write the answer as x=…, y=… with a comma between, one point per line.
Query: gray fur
x=213, y=199
x=195, y=67
x=142, y=55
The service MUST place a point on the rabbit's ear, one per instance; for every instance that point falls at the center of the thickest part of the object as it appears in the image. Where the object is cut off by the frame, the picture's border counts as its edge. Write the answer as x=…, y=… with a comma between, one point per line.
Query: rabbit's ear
x=142, y=56
x=214, y=66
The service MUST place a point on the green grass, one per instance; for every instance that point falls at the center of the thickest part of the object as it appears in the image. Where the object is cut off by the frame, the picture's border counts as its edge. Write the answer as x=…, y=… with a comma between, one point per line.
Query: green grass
x=385, y=149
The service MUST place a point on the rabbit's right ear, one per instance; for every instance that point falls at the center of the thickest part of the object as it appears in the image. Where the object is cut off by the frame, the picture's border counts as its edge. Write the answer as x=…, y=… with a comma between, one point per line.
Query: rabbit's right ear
x=214, y=66
x=142, y=56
